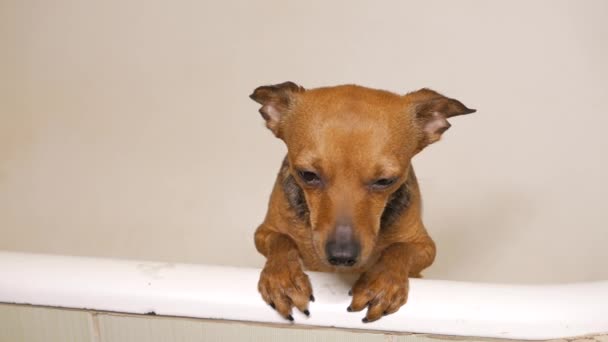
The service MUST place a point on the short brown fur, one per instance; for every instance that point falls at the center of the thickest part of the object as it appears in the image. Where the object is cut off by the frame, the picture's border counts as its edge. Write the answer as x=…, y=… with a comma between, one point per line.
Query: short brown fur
x=350, y=137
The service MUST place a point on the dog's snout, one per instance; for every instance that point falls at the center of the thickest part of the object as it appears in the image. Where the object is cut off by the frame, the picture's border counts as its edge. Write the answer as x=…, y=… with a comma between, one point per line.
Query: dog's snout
x=342, y=249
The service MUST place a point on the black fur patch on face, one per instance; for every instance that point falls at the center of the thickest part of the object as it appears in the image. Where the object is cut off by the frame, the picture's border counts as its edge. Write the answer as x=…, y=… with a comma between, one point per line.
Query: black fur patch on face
x=294, y=194
x=396, y=205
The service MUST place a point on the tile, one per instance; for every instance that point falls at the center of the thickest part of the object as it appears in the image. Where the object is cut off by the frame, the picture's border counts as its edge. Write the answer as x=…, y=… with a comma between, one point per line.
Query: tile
x=409, y=338
x=39, y=324
x=116, y=328
x=127, y=328
x=447, y=338
x=248, y=333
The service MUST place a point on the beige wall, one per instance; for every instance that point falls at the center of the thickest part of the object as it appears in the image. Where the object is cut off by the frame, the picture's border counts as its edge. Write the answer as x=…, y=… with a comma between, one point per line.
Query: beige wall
x=126, y=130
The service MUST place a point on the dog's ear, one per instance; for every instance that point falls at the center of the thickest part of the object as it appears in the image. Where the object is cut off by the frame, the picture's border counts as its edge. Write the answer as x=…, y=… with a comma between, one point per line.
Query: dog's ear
x=432, y=110
x=276, y=100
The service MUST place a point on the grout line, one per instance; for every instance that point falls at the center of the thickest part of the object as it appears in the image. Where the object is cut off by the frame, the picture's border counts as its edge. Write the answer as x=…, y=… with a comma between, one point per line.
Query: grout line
x=94, y=327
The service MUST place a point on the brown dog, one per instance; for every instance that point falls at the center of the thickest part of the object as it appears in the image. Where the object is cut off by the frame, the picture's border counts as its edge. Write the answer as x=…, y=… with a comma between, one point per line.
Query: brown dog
x=346, y=198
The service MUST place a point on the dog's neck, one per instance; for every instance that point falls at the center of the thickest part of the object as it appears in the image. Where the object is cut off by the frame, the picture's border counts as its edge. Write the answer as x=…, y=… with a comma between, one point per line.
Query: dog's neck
x=295, y=197
x=396, y=206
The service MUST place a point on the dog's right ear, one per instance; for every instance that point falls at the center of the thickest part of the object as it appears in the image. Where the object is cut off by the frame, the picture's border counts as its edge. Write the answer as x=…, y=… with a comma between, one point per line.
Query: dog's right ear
x=276, y=100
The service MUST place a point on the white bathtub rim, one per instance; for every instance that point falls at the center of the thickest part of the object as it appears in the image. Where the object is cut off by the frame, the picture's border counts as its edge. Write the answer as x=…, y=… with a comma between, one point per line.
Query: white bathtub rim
x=202, y=291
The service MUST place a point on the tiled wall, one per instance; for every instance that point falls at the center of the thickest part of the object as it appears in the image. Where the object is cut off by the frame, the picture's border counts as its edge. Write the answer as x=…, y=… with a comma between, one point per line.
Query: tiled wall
x=39, y=324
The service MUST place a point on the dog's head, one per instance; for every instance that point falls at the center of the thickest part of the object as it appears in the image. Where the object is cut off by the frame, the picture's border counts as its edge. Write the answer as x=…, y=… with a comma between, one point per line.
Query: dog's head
x=349, y=152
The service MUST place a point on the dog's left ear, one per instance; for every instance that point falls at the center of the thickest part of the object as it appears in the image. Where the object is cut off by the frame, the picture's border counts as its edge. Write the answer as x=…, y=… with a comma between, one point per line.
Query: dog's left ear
x=276, y=100
x=431, y=111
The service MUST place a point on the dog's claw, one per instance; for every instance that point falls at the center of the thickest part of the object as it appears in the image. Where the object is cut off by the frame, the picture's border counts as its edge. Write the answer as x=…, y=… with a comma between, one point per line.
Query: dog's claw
x=290, y=317
x=272, y=306
x=312, y=298
x=350, y=292
x=349, y=309
x=307, y=313
x=365, y=320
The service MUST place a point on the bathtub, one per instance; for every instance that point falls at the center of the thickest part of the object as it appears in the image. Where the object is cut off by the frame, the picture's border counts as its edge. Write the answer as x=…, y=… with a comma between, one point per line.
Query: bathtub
x=114, y=296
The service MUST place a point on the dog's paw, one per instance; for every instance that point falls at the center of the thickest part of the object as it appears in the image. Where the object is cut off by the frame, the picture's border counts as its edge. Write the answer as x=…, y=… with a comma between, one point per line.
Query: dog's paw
x=382, y=291
x=284, y=285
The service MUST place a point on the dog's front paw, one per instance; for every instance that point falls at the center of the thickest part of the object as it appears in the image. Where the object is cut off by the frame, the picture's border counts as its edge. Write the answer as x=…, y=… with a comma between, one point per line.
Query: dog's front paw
x=382, y=291
x=284, y=285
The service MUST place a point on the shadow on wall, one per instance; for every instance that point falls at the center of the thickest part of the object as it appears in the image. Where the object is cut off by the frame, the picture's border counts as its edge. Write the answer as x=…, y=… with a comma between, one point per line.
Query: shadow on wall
x=464, y=246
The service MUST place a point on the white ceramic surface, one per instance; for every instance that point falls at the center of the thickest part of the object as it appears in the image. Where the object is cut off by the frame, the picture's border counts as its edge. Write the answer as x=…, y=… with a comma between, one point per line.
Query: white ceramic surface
x=438, y=307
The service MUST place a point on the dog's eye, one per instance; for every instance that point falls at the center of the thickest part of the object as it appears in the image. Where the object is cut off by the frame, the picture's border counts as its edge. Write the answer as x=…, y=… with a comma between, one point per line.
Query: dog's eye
x=309, y=177
x=383, y=183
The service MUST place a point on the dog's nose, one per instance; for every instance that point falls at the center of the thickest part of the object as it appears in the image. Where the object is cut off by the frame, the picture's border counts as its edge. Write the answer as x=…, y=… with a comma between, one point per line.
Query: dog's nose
x=342, y=254
x=342, y=249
